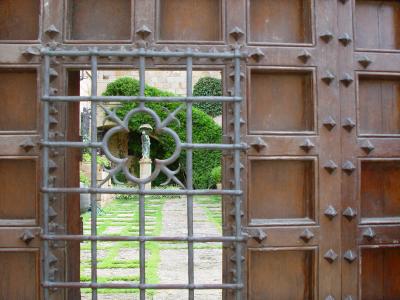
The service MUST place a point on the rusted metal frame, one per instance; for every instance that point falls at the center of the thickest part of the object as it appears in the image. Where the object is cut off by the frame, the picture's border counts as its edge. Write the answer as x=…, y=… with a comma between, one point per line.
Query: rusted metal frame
x=142, y=286
x=237, y=146
x=237, y=185
x=142, y=216
x=106, y=238
x=142, y=98
x=143, y=53
x=183, y=145
x=45, y=166
x=189, y=172
x=126, y=191
x=93, y=176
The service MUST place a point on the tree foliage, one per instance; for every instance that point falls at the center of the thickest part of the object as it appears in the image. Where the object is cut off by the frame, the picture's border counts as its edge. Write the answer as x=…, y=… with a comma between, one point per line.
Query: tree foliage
x=209, y=86
x=205, y=130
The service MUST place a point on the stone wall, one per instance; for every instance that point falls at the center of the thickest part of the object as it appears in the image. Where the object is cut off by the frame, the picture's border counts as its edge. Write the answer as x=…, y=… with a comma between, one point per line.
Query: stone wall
x=172, y=81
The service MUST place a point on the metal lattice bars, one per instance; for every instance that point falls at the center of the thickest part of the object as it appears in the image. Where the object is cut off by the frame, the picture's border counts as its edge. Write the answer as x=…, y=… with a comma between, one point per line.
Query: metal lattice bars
x=161, y=166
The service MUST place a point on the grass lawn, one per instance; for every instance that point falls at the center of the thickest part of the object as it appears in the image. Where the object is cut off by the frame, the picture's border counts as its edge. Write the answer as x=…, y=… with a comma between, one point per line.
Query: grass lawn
x=119, y=261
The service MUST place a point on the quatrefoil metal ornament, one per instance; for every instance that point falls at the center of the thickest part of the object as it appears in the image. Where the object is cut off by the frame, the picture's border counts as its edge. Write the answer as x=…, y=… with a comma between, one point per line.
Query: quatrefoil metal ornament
x=161, y=127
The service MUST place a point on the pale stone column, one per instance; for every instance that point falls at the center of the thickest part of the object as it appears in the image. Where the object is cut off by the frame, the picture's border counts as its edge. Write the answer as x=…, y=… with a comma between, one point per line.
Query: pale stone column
x=145, y=170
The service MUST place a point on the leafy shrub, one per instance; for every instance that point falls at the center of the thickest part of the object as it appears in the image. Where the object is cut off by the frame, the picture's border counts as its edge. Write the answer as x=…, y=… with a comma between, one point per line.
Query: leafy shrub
x=209, y=86
x=84, y=179
x=216, y=176
x=205, y=130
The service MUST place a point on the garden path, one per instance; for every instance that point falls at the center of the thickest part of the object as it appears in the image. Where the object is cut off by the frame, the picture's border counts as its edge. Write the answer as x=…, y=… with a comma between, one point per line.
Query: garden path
x=165, y=262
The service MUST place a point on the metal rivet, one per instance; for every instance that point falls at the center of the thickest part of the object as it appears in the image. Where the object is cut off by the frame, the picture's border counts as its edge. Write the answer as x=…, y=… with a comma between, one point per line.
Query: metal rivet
x=369, y=233
x=345, y=39
x=367, y=146
x=52, y=213
x=27, y=144
x=236, y=33
x=259, y=144
x=346, y=79
x=348, y=124
x=349, y=213
x=233, y=258
x=259, y=235
x=330, y=212
x=53, y=121
x=52, y=165
x=306, y=235
x=27, y=236
x=364, y=61
x=232, y=75
x=330, y=256
x=143, y=32
x=52, y=31
x=53, y=74
x=330, y=166
x=348, y=167
x=304, y=56
x=329, y=123
x=328, y=77
x=307, y=145
x=326, y=36
x=30, y=52
x=257, y=54
x=350, y=256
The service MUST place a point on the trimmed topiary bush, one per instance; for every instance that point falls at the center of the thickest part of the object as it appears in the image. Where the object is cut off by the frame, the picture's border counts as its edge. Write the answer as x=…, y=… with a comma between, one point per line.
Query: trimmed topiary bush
x=216, y=176
x=205, y=130
x=209, y=86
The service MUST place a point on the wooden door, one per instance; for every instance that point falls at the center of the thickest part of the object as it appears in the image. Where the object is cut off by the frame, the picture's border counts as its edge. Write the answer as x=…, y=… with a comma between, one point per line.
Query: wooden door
x=371, y=148
x=293, y=168
x=321, y=114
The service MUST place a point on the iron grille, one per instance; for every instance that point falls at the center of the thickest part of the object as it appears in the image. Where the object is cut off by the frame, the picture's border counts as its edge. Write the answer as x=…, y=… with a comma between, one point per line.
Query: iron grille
x=161, y=166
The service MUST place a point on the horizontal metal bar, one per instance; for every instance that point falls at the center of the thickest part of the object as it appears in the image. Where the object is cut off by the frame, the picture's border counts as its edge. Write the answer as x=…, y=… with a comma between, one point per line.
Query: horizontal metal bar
x=127, y=191
x=141, y=98
x=141, y=286
x=142, y=52
x=198, y=239
x=184, y=145
x=242, y=146
x=68, y=144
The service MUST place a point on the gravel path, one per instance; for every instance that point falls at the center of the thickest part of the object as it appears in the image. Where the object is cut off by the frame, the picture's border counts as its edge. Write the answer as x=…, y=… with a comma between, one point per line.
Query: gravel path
x=173, y=256
x=173, y=263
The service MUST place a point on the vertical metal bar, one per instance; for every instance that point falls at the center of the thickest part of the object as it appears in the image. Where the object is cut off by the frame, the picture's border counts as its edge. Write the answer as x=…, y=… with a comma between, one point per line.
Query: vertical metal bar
x=93, y=173
x=142, y=220
x=142, y=74
x=45, y=162
x=189, y=172
x=238, y=199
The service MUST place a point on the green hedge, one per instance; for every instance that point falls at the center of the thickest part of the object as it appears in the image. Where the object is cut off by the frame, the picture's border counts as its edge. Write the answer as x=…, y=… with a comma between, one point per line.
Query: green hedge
x=205, y=130
x=209, y=86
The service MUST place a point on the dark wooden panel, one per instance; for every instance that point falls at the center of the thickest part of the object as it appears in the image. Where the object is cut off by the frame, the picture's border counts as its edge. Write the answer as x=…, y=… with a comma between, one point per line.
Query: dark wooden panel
x=379, y=105
x=74, y=221
x=380, y=274
x=21, y=284
x=281, y=274
x=281, y=189
x=284, y=21
x=377, y=24
x=18, y=100
x=19, y=19
x=281, y=101
x=99, y=19
x=190, y=20
x=380, y=189
x=18, y=197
